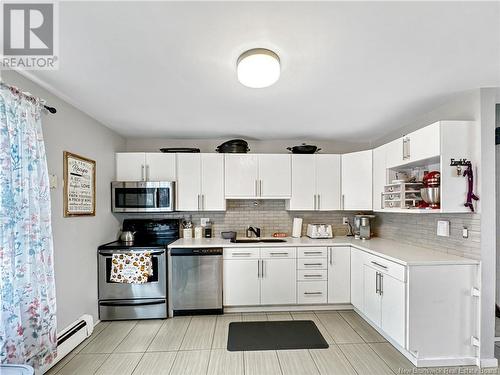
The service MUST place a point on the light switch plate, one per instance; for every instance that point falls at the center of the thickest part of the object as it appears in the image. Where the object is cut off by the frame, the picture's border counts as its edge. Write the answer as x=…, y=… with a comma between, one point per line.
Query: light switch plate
x=52, y=181
x=203, y=221
x=443, y=228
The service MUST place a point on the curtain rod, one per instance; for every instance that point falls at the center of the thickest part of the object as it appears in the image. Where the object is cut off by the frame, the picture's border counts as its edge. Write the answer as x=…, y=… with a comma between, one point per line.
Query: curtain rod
x=29, y=96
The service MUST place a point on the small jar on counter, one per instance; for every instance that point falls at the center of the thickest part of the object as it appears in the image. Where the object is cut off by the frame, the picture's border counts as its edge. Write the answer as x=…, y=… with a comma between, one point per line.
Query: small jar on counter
x=198, y=232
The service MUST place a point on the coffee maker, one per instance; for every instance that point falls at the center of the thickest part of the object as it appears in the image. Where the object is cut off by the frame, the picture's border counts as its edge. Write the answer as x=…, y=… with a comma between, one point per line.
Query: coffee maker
x=362, y=229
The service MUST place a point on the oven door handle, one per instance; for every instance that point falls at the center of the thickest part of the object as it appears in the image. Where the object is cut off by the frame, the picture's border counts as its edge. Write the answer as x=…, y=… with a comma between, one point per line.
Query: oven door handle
x=131, y=303
x=111, y=252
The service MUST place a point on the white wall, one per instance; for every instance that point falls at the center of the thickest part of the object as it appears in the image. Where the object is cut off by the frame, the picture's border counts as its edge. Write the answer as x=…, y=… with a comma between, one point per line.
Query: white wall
x=76, y=239
x=209, y=145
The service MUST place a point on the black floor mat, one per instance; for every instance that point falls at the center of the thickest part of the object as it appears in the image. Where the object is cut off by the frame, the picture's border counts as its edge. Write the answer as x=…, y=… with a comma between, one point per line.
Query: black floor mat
x=276, y=335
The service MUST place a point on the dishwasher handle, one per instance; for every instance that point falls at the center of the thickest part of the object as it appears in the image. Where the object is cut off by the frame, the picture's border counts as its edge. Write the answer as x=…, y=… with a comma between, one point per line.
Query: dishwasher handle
x=196, y=252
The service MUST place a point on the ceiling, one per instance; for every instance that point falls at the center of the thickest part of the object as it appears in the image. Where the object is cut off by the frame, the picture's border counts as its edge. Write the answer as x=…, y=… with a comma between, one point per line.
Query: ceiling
x=350, y=71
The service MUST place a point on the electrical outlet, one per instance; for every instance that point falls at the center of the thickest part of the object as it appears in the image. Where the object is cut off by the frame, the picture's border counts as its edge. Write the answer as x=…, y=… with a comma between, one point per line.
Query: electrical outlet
x=203, y=221
x=465, y=232
x=443, y=228
x=345, y=220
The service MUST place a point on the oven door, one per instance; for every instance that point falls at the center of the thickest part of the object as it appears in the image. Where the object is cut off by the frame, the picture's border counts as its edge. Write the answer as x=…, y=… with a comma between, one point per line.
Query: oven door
x=142, y=196
x=156, y=287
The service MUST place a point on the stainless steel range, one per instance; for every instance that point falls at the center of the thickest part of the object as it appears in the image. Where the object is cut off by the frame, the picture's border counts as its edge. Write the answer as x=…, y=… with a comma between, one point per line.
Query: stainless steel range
x=119, y=301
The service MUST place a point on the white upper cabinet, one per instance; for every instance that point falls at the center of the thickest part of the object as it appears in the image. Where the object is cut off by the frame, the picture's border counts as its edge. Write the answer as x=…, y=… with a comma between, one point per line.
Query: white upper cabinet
x=394, y=153
x=357, y=180
x=328, y=187
x=141, y=166
x=303, y=183
x=315, y=182
x=212, y=182
x=423, y=143
x=379, y=175
x=130, y=166
x=200, y=182
x=241, y=175
x=257, y=176
x=275, y=176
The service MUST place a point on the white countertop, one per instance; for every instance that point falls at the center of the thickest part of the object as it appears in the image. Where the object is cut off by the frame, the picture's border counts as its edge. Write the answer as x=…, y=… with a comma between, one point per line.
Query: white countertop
x=404, y=254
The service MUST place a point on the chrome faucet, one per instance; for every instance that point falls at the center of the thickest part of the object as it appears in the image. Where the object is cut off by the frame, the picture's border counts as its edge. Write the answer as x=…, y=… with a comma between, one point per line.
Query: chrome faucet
x=255, y=230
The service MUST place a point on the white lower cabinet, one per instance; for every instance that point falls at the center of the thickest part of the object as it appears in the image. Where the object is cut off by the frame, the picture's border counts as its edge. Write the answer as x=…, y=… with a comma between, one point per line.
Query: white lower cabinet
x=259, y=276
x=357, y=286
x=339, y=274
x=312, y=286
x=278, y=282
x=241, y=284
x=384, y=302
x=311, y=292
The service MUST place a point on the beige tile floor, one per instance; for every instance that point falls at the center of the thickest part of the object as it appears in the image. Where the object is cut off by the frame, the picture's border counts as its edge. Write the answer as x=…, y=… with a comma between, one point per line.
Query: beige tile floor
x=196, y=345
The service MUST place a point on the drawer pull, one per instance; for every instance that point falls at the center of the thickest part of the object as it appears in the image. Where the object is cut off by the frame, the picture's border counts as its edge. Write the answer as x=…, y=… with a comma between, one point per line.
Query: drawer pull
x=313, y=264
x=313, y=293
x=279, y=253
x=313, y=252
x=379, y=265
x=241, y=254
x=313, y=275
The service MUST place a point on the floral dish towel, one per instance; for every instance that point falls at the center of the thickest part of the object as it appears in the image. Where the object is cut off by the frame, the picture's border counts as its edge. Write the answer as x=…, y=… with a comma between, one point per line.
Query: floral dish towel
x=131, y=268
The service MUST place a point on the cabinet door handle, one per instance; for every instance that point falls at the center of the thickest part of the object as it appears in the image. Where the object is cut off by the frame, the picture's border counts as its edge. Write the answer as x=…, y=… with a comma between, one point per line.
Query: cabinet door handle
x=147, y=172
x=381, y=284
x=198, y=202
x=203, y=202
x=260, y=188
x=262, y=268
x=319, y=202
x=376, y=283
x=258, y=269
x=313, y=293
x=342, y=201
x=331, y=255
x=408, y=148
x=379, y=265
x=142, y=172
x=314, y=200
x=256, y=189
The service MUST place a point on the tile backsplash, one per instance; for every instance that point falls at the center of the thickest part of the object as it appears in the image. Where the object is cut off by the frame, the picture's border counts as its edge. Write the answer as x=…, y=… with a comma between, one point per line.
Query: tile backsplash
x=271, y=216
x=420, y=230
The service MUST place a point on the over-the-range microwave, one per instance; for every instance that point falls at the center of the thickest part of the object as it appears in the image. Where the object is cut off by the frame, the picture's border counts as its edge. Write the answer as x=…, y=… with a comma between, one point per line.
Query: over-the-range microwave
x=142, y=196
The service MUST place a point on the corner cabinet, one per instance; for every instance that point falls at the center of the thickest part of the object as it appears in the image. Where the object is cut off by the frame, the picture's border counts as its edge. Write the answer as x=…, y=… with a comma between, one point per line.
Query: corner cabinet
x=254, y=176
x=315, y=182
x=429, y=148
x=357, y=180
x=415, y=307
x=145, y=166
x=200, y=182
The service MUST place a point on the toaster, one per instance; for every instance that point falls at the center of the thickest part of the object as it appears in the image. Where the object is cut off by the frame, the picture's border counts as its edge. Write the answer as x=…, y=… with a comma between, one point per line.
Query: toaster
x=319, y=231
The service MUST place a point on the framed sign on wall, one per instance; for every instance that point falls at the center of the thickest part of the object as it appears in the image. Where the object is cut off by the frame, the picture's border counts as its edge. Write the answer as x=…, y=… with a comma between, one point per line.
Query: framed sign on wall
x=79, y=185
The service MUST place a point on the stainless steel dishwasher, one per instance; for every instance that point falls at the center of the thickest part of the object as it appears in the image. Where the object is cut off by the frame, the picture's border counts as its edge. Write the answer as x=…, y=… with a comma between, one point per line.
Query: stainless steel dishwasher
x=196, y=281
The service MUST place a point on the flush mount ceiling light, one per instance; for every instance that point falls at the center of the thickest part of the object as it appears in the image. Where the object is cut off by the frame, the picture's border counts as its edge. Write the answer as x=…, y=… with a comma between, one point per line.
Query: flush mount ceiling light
x=258, y=68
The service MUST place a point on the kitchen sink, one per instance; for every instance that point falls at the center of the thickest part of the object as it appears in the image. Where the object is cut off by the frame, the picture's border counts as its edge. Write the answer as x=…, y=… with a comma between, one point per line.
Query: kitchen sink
x=257, y=240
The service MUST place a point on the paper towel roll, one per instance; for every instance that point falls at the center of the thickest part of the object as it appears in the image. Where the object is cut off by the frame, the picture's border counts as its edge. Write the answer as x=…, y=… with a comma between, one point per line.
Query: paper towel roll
x=297, y=227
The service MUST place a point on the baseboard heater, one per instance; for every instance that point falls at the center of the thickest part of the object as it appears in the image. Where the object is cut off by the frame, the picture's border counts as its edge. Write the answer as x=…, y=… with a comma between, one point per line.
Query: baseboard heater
x=72, y=336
